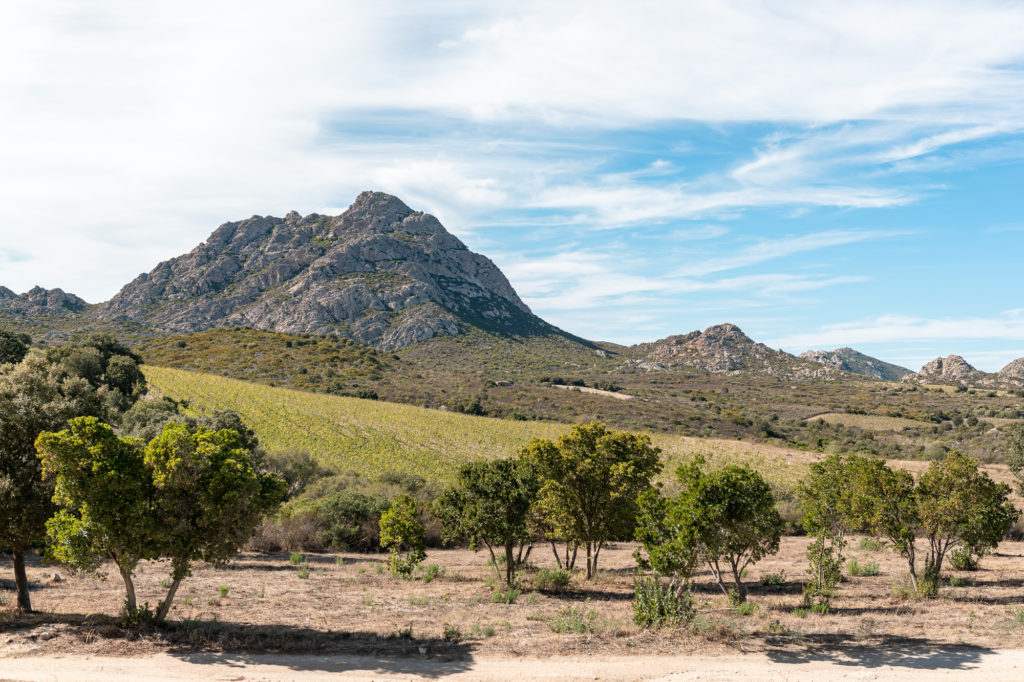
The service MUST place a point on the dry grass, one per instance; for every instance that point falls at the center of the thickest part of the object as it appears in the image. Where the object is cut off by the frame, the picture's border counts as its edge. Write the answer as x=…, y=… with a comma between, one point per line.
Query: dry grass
x=353, y=608
x=871, y=421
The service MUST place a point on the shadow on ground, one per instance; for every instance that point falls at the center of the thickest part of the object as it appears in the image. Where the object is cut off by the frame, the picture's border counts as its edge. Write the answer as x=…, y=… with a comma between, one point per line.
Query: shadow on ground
x=914, y=653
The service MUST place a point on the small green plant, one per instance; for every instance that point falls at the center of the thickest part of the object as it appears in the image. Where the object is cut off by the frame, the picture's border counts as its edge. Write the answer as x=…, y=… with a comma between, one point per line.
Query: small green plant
x=339, y=560
x=821, y=608
x=134, y=617
x=187, y=601
x=867, y=544
x=800, y=612
x=505, y=597
x=776, y=627
x=295, y=558
x=165, y=583
x=223, y=590
x=432, y=571
x=855, y=568
x=964, y=560
x=402, y=534
x=746, y=608
x=488, y=630
x=418, y=601
x=572, y=619
x=1017, y=613
x=552, y=579
x=452, y=633
x=774, y=578
x=303, y=571
x=956, y=582
x=658, y=605
x=379, y=568
x=262, y=593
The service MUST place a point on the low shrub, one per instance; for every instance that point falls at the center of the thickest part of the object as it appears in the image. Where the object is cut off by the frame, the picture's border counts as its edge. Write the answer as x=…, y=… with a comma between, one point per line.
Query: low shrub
x=552, y=579
x=658, y=605
x=964, y=560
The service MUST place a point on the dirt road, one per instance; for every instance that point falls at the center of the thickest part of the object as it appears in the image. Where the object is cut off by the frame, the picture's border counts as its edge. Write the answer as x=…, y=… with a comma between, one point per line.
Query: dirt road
x=946, y=663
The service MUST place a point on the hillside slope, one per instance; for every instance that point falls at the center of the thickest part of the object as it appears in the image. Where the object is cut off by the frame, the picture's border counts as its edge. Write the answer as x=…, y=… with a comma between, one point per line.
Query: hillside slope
x=855, y=362
x=379, y=273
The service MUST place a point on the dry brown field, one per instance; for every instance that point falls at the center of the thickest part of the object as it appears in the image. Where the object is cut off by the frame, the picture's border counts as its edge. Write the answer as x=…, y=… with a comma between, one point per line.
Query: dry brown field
x=355, y=608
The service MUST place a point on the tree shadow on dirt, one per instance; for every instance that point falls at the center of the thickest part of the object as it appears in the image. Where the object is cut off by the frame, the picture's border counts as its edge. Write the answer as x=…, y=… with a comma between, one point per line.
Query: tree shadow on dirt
x=914, y=653
x=308, y=650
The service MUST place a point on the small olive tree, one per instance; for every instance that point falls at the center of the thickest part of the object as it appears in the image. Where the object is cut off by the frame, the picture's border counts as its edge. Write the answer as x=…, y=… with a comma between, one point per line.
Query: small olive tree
x=590, y=480
x=490, y=505
x=403, y=535
x=825, y=499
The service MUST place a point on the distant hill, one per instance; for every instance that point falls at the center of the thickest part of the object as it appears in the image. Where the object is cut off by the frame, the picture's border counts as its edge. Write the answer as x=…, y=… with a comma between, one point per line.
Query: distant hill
x=855, y=362
x=724, y=348
x=954, y=370
x=379, y=273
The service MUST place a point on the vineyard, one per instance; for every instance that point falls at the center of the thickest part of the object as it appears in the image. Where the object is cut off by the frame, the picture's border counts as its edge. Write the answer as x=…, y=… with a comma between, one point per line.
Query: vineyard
x=373, y=437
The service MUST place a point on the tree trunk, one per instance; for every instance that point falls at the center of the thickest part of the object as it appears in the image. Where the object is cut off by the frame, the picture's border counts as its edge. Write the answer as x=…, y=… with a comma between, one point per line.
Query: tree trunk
x=558, y=558
x=21, y=580
x=597, y=553
x=129, y=589
x=509, y=565
x=590, y=558
x=165, y=605
x=575, y=548
x=741, y=590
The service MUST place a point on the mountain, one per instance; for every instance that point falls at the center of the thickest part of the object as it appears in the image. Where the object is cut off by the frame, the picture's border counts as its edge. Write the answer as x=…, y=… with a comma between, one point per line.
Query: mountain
x=951, y=369
x=379, y=273
x=855, y=362
x=725, y=348
x=39, y=300
x=1013, y=371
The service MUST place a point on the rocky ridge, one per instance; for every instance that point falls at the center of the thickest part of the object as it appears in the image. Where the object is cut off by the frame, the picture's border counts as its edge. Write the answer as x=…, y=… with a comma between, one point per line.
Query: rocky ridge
x=379, y=273
x=724, y=348
x=855, y=362
x=954, y=370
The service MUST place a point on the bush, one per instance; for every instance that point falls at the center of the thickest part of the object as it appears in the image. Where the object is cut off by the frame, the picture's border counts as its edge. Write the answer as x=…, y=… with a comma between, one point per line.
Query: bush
x=571, y=619
x=854, y=568
x=401, y=533
x=295, y=558
x=774, y=578
x=552, y=579
x=657, y=605
x=505, y=597
x=963, y=560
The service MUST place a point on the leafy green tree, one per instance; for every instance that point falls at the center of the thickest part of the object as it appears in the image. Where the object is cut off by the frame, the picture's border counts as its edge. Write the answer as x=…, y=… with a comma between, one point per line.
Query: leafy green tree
x=1015, y=456
x=35, y=396
x=13, y=347
x=403, y=535
x=960, y=506
x=105, y=362
x=208, y=497
x=591, y=479
x=106, y=495
x=735, y=517
x=725, y=517
x=490, y=505
x=826, y=501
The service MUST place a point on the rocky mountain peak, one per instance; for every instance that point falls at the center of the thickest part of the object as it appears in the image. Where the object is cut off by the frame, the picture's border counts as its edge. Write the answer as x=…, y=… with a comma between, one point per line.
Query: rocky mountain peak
x=855, y=362
x=379, y=272
x=725, y=348
x=1013, y=370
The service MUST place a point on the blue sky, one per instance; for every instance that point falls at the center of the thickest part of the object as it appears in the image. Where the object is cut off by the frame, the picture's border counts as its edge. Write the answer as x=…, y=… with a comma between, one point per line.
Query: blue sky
x=822, y=173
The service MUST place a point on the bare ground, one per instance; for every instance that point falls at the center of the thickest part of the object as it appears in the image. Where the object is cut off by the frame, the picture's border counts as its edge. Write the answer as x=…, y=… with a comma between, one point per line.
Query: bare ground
x=351, y=618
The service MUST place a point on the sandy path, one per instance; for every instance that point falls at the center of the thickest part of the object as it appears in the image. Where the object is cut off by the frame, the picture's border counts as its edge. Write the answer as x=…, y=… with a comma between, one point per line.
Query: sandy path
x=966, y=663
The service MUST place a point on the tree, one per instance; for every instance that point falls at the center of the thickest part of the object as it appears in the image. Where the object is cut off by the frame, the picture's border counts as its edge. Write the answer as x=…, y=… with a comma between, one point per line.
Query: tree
x=35, y=396
x=106, y=495
x=105, y=362
x=1015, y=457
x=725, y=517
x=590, y=481
x=735, y=518
x=190, y=494
x=208, y=497
x=13, y=347
x=490, y=505
x=402, y=534
x=960, y=506
x=825, y=498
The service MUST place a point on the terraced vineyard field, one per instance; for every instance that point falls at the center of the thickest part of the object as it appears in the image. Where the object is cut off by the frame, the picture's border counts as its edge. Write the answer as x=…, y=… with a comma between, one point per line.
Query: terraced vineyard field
x=373, y=437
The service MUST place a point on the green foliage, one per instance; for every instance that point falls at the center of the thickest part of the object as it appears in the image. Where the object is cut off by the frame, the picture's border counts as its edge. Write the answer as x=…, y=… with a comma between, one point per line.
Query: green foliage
x=223, y=590
x=295, y=559
x=104, y=362
x=135, y=616
x=746, y=609
x=573, y=620
x=963, y=560
x=491, y=505
x=1015, y=454
x=431, y=572
x=302, y=571
x=188, y=495
x=505, y=596
x=402, y=534
x=855, y=568
x=590, y=481
x=552, y=579
x=773, y=579
x=825, y=498
x=13, y=347
x=297, y=467
x=656, y=604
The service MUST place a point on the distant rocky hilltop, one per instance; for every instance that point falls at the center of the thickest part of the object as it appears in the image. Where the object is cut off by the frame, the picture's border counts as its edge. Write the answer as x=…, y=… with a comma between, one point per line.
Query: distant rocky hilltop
x=50, y=300
x=725, y=348
x=379, y=273
x=954, y=370
x=855, y=362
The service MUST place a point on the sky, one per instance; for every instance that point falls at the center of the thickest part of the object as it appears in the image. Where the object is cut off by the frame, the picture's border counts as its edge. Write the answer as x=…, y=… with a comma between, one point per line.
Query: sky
x=822, y=174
